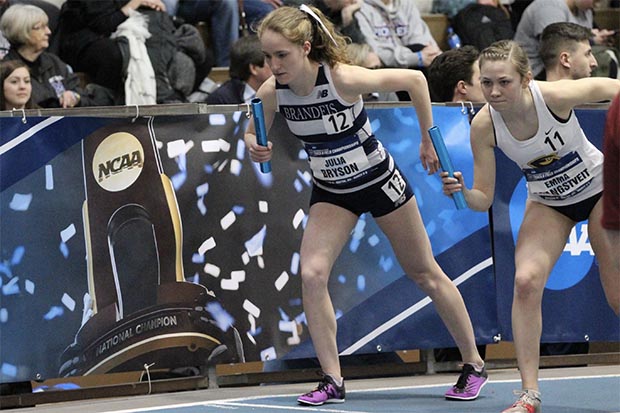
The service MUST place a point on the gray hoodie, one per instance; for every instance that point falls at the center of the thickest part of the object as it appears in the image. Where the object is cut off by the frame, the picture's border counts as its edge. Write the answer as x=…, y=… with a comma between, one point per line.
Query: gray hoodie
x=538, y=15
x=389, y=30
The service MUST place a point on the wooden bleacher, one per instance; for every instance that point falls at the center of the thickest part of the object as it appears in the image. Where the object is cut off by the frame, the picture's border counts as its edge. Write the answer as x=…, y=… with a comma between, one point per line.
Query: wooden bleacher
x=438, y=25
x=219, y=74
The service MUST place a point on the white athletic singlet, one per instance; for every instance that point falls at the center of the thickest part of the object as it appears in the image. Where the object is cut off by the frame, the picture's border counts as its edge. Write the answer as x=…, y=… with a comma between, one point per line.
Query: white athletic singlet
x=560, y=165
x=344, y=154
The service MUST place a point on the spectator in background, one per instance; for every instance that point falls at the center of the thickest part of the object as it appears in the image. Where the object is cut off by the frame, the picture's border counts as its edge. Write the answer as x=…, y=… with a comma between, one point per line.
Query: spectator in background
x=341, y=13
x=482, y=23
x=248, y=71
x=566, y=52
x=541, y=13
x=454, y=76
x=53, y=83
x=225, y=18
x=255, y=10
x=394, y=29
x=86, y=27
x=49, y=7
x=222, y=17
x=363, y=55
x=16, y=87
x=177, y=54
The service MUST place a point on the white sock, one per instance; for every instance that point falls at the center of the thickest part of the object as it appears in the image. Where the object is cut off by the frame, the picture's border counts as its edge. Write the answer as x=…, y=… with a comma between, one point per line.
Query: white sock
x=534, y=393
x=337, y=381
x=477, y=367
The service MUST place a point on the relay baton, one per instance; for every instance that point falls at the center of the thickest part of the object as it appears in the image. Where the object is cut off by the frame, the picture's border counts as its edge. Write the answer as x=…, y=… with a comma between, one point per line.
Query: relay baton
x=261, y=133
x=446, y=163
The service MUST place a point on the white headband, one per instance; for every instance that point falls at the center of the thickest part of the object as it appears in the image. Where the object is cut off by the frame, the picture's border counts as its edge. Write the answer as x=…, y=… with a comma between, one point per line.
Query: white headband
x=309, y=11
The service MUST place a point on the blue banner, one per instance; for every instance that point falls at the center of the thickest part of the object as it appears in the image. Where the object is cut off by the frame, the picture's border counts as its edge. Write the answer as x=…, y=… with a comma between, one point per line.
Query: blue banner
x=239, y=233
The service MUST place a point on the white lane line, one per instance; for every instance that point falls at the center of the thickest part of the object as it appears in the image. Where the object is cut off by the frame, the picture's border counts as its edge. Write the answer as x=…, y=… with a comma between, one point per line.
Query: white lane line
x=303, y=408
x=412, y=310
x=238, y=401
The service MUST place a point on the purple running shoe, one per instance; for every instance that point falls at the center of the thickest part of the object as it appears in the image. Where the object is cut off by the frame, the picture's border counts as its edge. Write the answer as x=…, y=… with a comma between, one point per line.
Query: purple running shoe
x=326, y=392
x=468, y=385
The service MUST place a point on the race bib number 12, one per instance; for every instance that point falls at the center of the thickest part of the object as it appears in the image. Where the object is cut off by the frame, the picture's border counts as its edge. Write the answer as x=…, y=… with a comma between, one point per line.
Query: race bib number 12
x=395, y=187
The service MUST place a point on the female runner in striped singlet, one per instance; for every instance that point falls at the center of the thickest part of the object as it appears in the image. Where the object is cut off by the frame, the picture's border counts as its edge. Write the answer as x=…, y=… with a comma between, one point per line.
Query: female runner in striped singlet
x=533, y=123
x=319, y=95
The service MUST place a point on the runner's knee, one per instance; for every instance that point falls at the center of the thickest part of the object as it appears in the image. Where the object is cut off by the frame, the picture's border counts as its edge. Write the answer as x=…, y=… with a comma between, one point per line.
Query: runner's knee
x=315, y=274
x=528, y=284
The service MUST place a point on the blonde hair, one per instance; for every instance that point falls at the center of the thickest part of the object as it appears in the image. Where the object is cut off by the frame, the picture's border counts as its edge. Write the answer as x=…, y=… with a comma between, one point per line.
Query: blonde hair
x=299, y=27
x=358, y=52
x=18, y=21
x=507, y=50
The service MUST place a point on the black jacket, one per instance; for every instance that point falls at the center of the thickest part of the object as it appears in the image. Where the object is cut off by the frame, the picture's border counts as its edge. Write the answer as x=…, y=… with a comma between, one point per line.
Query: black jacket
x=169, y=48
x=352, y=30
x=47, y=70
x=230, y=93
x=84, y=21
x=480, y=25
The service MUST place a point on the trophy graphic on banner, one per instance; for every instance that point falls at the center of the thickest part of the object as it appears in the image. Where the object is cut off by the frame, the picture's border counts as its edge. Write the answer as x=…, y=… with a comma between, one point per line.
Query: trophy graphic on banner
x=143, y=310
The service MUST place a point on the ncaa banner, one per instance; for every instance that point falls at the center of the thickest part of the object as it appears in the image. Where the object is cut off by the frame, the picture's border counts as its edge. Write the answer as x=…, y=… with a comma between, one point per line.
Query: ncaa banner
x=574, y=305
x=158, y=240
x=93, y=278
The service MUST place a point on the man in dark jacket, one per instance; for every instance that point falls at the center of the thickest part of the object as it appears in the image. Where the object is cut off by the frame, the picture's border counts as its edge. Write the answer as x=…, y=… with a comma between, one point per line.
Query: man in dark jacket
x=86, y=45
x=248, y=71
x=86, y=27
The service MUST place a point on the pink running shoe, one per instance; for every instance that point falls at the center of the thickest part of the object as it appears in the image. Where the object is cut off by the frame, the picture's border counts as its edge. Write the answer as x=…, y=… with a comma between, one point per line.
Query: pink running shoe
x=326, y=392
x=528, y=402
x=468, y=385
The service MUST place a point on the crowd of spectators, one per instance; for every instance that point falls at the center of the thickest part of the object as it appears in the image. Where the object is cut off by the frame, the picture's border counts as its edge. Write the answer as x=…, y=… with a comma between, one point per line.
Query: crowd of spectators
x=114, y=52
x=541, y=13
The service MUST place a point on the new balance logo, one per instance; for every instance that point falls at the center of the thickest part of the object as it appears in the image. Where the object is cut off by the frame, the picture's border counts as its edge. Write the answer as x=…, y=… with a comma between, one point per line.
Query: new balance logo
x=322, y=94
